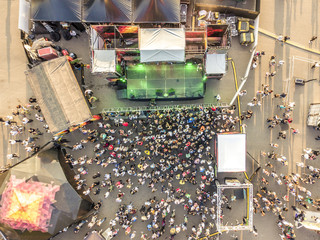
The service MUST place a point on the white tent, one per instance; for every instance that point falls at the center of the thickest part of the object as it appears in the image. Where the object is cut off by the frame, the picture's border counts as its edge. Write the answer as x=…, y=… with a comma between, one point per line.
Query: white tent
x=103, y=61
x=215, y=63
x=231, y=152
x=311, y=220
x=24, y=15
x=162, y=44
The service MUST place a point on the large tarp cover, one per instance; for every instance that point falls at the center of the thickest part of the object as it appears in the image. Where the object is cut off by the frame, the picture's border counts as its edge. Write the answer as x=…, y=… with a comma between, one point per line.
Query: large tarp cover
x=156, y=11
x=231, y=152
x=162, y=44
x=59, y=94
x=56, y=10
x=115, y=11
x=104, y=61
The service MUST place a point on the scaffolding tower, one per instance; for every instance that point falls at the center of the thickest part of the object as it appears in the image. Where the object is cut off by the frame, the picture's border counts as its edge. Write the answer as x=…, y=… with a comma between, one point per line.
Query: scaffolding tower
x=249, y=190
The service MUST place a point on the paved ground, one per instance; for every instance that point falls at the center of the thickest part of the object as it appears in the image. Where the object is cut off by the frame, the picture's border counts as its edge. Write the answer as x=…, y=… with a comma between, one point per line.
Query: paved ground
x=296, y=18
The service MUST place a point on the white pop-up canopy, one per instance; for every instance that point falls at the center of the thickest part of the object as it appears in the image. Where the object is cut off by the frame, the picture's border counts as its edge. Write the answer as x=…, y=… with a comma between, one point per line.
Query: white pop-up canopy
x=24, y=15
x=310, y=220
x=104, y=61
x=231, y=152
x=215, y=63
x=162, y=44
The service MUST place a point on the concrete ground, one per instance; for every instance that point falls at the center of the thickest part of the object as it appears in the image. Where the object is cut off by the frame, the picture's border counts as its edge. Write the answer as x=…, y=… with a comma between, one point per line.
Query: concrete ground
x=296, y=18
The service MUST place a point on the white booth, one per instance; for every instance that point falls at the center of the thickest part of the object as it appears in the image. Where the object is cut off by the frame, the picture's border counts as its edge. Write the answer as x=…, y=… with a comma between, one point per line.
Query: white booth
x=215, y=63
x=230, y=150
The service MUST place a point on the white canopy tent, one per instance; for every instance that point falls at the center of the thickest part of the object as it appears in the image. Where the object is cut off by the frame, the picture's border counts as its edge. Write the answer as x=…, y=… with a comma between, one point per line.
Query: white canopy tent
x=24, y=15
x=311, y=220
x=103, y=61
x=162, y=45
x=215, y=63
x=95, y=40
x=231, y=152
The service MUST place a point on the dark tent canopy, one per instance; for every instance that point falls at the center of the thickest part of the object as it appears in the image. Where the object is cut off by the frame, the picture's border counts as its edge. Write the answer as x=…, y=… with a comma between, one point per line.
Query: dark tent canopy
x=115, y=11
x=156, y=11
x=110, y=11
x=56, y=10
x=45, y=170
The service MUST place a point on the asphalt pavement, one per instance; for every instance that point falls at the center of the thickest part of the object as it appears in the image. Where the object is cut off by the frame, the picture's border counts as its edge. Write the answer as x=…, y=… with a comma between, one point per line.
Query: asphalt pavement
x=296, y=18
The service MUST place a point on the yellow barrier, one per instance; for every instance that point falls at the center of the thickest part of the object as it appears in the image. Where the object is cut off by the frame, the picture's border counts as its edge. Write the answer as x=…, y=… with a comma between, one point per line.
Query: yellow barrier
x=236, y=82
x=246, y=176
x=213, y=234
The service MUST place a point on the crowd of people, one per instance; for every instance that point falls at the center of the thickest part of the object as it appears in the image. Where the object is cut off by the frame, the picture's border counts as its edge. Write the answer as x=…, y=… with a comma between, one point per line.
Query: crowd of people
x=165, y=151
x=276, y=188
x=23, y=136
x=167, y=154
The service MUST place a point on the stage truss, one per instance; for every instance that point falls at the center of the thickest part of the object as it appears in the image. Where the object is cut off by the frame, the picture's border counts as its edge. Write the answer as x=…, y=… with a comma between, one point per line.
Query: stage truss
x=249, y=225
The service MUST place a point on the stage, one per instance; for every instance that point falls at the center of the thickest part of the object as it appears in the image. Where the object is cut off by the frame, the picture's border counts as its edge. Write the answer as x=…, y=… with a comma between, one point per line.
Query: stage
x=164, y=81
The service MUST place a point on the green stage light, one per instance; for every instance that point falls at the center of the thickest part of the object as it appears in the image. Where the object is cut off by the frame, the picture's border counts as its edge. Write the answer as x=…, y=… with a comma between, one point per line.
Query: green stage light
x=204, y=79
x=122, y=79
x=189, y=65
x=140, y=67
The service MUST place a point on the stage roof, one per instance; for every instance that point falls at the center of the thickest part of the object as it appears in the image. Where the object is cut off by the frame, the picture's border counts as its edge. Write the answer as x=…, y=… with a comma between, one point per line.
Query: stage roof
x=231, y=152
x=56, y=10
x=104, y=61
x=58, y=94
x=115, y=11
x=156, y=11
x=215, y=63
x=162, y=44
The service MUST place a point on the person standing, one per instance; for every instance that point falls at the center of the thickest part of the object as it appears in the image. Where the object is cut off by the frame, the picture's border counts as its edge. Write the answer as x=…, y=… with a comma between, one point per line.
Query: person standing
x=286, y=38
x=280, y=38
x=312, y=39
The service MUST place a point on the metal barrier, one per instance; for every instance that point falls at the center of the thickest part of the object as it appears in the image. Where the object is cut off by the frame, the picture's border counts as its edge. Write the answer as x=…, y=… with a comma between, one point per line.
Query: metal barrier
x=143, y=111
x=162, y=108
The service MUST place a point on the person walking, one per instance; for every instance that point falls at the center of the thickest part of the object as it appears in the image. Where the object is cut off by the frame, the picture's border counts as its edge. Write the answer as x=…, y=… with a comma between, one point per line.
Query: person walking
x=312, y=39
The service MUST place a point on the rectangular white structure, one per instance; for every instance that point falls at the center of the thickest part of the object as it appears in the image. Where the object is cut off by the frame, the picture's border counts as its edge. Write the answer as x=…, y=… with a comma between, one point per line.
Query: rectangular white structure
x=231, y=152
x=103, y=61
x=162, y=45
x=24, y=15
x=310, y=220
x=215, y=63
